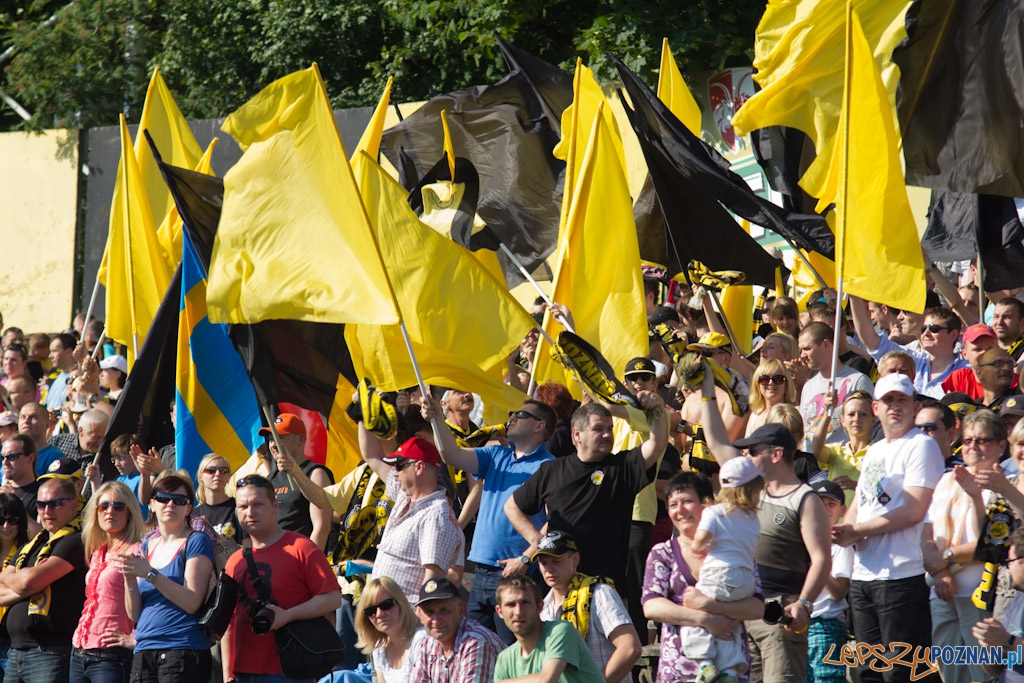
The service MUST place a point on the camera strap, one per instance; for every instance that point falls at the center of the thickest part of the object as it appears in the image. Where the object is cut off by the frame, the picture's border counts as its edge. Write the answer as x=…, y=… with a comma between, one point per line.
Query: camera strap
x=257, y=581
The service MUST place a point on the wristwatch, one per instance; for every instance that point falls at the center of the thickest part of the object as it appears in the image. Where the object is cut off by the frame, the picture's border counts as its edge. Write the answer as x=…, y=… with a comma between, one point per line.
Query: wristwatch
x=151, y=575
x=807, y=604
x=948, y=556
x=524, y=559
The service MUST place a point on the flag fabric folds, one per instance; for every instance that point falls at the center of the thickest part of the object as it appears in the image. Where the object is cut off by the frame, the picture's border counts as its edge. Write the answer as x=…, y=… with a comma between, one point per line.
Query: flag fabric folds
x=293, y=241
x=597, y=270
x=134, y=270
x=507, y=130
x=370, y=141
x=216, y=404
x=694, y=183
x=144, y=407
x=878, y=253
x=798, y=60
x=961, y=96
x=461, y=320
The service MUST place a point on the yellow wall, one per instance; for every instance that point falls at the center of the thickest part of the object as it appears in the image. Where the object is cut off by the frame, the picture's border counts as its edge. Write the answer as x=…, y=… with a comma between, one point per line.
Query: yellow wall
x=38, y=189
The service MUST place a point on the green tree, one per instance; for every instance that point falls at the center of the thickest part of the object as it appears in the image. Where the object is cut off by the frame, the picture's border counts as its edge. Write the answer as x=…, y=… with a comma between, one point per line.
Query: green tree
x=95, y=61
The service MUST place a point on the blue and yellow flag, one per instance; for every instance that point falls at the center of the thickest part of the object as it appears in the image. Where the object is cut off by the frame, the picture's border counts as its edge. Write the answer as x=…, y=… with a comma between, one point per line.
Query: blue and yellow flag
x=215, y=401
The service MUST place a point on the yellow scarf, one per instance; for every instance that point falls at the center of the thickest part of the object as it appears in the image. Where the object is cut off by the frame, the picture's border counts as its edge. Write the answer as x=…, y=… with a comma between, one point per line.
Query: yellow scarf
x=40, y=603
x=576, y=606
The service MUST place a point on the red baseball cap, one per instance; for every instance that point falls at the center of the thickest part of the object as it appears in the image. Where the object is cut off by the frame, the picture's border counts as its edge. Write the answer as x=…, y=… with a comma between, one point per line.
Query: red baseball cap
x=286, y=423
x=977, y=331
x=416, y=448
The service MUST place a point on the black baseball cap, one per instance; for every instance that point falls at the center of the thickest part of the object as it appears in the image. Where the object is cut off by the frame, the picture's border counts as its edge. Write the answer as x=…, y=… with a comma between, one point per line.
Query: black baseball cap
x=770, y=435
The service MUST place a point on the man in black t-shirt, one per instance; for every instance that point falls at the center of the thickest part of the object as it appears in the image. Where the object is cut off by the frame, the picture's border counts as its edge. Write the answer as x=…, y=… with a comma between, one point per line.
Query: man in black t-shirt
x=590, y=494
x=296, y=513
x=45, y=589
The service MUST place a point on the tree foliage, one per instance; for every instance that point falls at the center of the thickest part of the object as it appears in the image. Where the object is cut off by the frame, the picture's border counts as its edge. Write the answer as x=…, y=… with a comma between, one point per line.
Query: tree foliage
x=95, y=60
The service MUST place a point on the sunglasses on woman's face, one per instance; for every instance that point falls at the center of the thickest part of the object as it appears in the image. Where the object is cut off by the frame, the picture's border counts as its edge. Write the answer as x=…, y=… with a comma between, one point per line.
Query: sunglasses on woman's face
x=383, y=605
x=765, y=380
x=179, y=499
x=212, y=469
x=106, y=505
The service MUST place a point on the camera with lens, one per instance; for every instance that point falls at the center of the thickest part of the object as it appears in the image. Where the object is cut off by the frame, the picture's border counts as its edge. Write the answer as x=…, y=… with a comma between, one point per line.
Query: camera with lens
x=261, y=616
x=774, y=613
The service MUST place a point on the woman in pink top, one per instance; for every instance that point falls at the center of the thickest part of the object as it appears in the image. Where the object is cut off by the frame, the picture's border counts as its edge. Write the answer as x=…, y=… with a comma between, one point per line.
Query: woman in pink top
x=111, y=524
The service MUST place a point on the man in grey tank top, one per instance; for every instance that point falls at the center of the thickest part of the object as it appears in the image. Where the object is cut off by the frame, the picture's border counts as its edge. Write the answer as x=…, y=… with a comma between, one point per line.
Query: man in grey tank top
x=794, y=554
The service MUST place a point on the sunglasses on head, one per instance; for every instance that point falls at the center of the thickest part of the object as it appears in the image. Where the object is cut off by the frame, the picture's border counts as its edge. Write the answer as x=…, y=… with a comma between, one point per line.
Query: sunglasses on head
x=383, y=605
x=765, y=380
x=179, y=499
x=933, y=328
x=213, y=469
x=117, y=505
x=256, y=480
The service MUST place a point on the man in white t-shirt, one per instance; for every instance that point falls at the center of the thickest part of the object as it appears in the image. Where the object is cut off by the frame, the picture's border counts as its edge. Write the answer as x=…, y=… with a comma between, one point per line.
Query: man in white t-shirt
x=888, y=593
x=815, y=344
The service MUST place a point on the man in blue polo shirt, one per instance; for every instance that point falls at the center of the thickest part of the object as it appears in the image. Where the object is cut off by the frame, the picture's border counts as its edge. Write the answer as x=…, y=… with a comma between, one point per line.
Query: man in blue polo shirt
x=498, y=550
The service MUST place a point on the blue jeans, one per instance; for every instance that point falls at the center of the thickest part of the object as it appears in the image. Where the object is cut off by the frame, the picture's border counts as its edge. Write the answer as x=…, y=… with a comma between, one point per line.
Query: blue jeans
x=482, y=602
x=38, y=665
x=112, y=665
x=346, y=627
x=269, y=678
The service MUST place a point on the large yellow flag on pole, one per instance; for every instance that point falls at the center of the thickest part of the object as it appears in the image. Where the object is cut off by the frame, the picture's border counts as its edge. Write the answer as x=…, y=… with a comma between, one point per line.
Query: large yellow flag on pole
x=878, y=252
x=798, y=57
x=460, y=319
x=577, y=119
x=673, y=92
x=597, y=270
x=177, y=145
x=134, y=270
x=294, y=241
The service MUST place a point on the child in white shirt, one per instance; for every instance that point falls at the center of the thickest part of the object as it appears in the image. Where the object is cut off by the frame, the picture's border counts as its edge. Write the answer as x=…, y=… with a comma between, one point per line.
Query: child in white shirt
x=728, y=534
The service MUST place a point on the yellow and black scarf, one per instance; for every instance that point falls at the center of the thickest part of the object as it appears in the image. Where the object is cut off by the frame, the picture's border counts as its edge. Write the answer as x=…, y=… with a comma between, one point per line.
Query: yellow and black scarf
x=363, y=522
x=40, y=603
x=579, y=595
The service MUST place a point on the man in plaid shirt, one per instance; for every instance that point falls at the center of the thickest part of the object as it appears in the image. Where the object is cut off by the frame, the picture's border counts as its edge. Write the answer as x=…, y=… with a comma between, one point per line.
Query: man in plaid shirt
x=422, y=539
x=459, y=650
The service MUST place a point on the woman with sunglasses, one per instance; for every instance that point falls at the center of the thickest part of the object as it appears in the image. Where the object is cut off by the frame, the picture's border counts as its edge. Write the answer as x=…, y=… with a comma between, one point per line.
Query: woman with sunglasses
x=215, y=505
x=112, y=524
x=13, y=535
x=388, y=630
x=166, y=584
x=770, y=385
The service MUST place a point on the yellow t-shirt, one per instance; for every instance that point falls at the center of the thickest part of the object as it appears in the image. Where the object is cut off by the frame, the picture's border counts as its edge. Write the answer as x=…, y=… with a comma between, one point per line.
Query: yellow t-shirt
x=838, y=459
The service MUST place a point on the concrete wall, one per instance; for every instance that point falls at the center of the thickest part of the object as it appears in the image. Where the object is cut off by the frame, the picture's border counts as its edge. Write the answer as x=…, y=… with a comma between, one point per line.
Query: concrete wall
x=38, y=210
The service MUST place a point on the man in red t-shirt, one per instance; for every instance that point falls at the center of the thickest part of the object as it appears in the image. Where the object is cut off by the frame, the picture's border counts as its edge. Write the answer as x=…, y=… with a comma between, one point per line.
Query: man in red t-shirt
x=294, y=570
x=977, y=339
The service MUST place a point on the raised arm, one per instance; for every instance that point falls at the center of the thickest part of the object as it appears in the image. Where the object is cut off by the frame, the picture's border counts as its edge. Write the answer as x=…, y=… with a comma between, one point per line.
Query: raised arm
x=715, y=432
x=373, y=452
x=461, y=458
x=862, y=323
x=654, y=447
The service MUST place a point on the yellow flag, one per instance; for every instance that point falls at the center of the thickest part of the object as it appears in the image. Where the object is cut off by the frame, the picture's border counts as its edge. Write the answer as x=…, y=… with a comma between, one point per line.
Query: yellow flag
x=577, y=120
x=597, y=270
x=448, y=148
x=169, y=232
x=177, y=146
x=294, y=241
x=370, y=142
x=799, y=53
x=673, y=92
x=460, y=319
x=878, y=252
x=342, y=434
x=134, y=269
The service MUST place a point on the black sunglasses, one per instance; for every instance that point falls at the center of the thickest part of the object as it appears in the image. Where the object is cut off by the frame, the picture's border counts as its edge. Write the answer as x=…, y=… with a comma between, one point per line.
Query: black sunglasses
x=383, y=605
x=771, y=379
x=106, y=505
x=256, y=480
x=12, y=521
x=927, y=427
x=7, y=457
x=403, y=463
x=212, y=469
x=179, y=499
x=55, y=503
x=933, y=328
x=522, y=415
